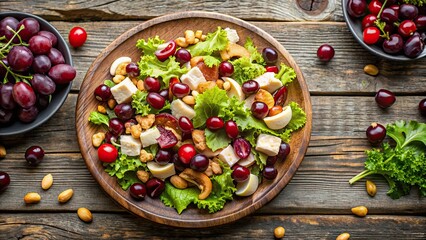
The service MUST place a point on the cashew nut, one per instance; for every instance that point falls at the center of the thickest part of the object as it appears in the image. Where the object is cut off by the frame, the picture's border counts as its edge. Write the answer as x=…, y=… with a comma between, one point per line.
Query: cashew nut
x=200, y=180
x=117, y=62
x=178, y=182
x=234, y=50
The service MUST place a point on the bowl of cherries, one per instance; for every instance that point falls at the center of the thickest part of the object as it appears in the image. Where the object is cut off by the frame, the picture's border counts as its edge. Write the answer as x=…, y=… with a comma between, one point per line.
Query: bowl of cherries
x=35, y=72
x=392, y=29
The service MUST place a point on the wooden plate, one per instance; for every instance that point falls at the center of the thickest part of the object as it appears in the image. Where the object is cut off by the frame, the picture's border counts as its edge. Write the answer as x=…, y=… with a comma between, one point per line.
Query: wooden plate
x=171, y=27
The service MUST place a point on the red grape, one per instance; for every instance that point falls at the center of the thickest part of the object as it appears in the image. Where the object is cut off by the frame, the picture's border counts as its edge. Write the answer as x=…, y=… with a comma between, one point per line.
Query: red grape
x=24, y=95
x=32, y=27
x=20, y=58
x=43, y=84
x=40, y=45
x=62, y=73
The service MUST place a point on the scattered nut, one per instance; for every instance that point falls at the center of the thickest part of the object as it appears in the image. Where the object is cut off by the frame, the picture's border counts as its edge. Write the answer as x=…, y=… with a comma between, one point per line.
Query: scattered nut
x=102, y=109
x=199, y=139
x=145, y=156
x=111, y=103
x=371, y=69
x=200, y=180
x=97, y=139
x=65, y=196
x=343, y=236
x=226, y=86
x=31, y=198
x=195, y=93
x=195, y=60
x=203, y=37
x=198, y=33
x=47, y=182
x=216, y=168
x=279, y=232
x=360, y=211
x=204, y=86
x=140, y=85
x=265, y=97
x=219, y=83
x=190, y=100
x=136, y=131
x=181, y=42
x=85, y=215
x=371, y=188
x=196, y=40
x=145, y=122
x=234, y=50
x=118, y=78
x=189, y=36
x=134, y=81
x=121, y=69
x=2, y=151
x=178, y=182
x=142, y=175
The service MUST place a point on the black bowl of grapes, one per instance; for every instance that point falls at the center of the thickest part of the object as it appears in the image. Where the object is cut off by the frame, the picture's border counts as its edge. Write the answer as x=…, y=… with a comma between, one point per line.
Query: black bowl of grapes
x=35, y=72
x=391, y=29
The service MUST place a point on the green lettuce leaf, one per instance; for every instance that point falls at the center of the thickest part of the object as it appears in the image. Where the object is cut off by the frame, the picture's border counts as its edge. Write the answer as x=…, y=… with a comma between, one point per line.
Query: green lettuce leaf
x=211, y=61
x=124, y=168
x=216, y=140
x=286, y=74
x=260, y=158
x=149, y=47
x=216, y=41
x=209, y=104
x=98, y=118
x=406, y=133
x=255, y=56
x=109, y=83
x=245, y=69
x=149, y=65
x=298, y=118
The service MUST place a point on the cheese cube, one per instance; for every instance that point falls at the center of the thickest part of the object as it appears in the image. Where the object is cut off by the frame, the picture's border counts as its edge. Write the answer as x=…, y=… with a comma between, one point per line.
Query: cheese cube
x=193, y=78
x=130, y=146
x=123, y=91
x=179, y=109
x=268, y=144
x=228, y=156
x=232, y=35
x=268, y=82
x=149, y=137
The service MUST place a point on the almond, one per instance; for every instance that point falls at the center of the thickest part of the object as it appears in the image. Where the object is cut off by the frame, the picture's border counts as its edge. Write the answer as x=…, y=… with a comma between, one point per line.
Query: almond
x=32, y=197
x=2, y=151
x=343, y=236
x=65, y=196
x=360, y=211
x=85, y=215
x=47, y=182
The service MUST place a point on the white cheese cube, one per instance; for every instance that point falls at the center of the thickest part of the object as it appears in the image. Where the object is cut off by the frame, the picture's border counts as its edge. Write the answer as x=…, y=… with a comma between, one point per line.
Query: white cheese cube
x=130, y=146
x=268, y=82
x=179, y=109
x=161, y=171
x=123, y=91
x=228, y=156
x=232, y=35
x=248, y=161
x=149, y=137
x=193, y=78
x=268, y=144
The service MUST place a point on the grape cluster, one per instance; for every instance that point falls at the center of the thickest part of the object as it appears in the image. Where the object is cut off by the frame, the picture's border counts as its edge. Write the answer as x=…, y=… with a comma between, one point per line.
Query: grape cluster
x=30, y=69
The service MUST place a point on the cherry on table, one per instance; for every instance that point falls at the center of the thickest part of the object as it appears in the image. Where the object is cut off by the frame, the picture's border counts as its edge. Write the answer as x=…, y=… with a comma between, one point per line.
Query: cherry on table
x=375, y=133
x=325, y=52
x=422, y=107
x=385, y=98
x=4, y=180
x=77, y=37
x=34, y=155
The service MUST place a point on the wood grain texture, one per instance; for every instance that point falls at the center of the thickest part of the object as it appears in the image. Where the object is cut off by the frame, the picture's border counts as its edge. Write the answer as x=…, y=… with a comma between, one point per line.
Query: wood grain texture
x=344, y=75
x=119, y=226
x=170, y=26
x=273, y=10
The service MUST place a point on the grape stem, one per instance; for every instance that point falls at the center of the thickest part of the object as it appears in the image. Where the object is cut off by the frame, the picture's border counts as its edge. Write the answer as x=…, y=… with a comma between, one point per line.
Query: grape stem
x=15, y=34
x=18, y=77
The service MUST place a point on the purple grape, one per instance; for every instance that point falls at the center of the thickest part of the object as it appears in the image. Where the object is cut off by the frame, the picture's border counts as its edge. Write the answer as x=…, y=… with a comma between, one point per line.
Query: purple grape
x=40, y=45
x=24, y=95
x=20, y=58
x=55, y=57
x=124, y=111
x=50, y=36
x=41, y=64
x=43, y=84
x=6, y=96
x=413, y=46
x=32, y=27
x=28, y=115
x=394, y=44
x=4, y=31
x=62, y=73
x=43, y=101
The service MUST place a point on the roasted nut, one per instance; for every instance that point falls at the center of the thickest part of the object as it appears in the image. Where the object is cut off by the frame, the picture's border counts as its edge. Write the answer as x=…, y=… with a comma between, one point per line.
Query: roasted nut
x=47, y=181
x=189, y=36
x=136, y=131
x=140, y=85
x=279, y=232
x=234, y=50
x=343, y=236
x=102, y=109
x=194, y=93
x=195, y=60
x=196, y=40
x=181, y=42
x=200, y=180
x=178, y=182
x=118, y=78
x=203, y=37
x=371, y=188
x=65, y=196
x=204, y=86
x=85, y=215
x=371, y=69
x=360, y=211
x=219, y=83
x=142, y=175
x=199, y=139
x=121, y=69
x=265, y=97
x=145, y=122
x=275, y=110
x=198, y=33
x=2, y=151
x=97, y=139
x=209, y=171
x=32, y=197
x=226, y=86
x=146, y=156
x=111, y=103
x=134, y=81
x=190, y=100
x=217, y=170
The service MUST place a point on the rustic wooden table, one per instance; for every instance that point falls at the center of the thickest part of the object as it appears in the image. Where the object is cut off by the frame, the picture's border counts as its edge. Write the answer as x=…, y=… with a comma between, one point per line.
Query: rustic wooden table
x=317, y=202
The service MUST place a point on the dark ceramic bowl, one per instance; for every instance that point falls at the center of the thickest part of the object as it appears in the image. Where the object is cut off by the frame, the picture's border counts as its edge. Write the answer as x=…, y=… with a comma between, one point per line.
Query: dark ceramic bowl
x=355, y=27
x=61, y=93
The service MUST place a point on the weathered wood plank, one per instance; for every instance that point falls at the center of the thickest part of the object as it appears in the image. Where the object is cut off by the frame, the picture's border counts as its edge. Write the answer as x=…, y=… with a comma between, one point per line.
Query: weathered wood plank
x=342, y=76
x=119, y=226
x=275, y=10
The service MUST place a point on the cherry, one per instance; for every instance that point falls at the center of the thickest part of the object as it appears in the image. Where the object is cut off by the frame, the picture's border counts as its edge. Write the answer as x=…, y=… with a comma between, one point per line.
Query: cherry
x=376, y=133
x=110, y=137
x=408, y=11
x=180, y=90
x=385, y=98
x=325, y=53
x=422, y=107
x=163, y=157
x=226, y=69
x=116, y=127
x=420, y=22
x=132, y=69
x=182, y=56
x=124, y=111
x=103, y=93
x=34, y=155
x=185, y=124
x=155, y=187
x=186, y=152
x=259, y=110
x=270, y=56
x=283, y=152
x=199, y=163
x=270, y=172
x=178, y=164
x=214, y=123
x=155, y=100
x=407, y=28
x=165, y=94
x=240, y=173
x=77, y=37
x=374, y=7
x=107, y=153
x=371, y=35
x=152, y=84
x=270, y=161
x=4, y=181
x=356, y=8
x=368, y=21
x=242, y=148
x=168, y=51
x=231, y=129
x=273, y=69
x=394, y=44
x=389, y=15
x=138, y=191
x=250, y=87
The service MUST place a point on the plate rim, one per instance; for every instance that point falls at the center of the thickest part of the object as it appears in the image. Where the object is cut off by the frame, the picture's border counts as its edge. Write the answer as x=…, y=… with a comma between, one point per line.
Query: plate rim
x=242, y=212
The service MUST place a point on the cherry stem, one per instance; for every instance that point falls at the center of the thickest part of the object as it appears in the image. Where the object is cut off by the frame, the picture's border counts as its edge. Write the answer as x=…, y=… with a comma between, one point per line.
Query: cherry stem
x=381, y=9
